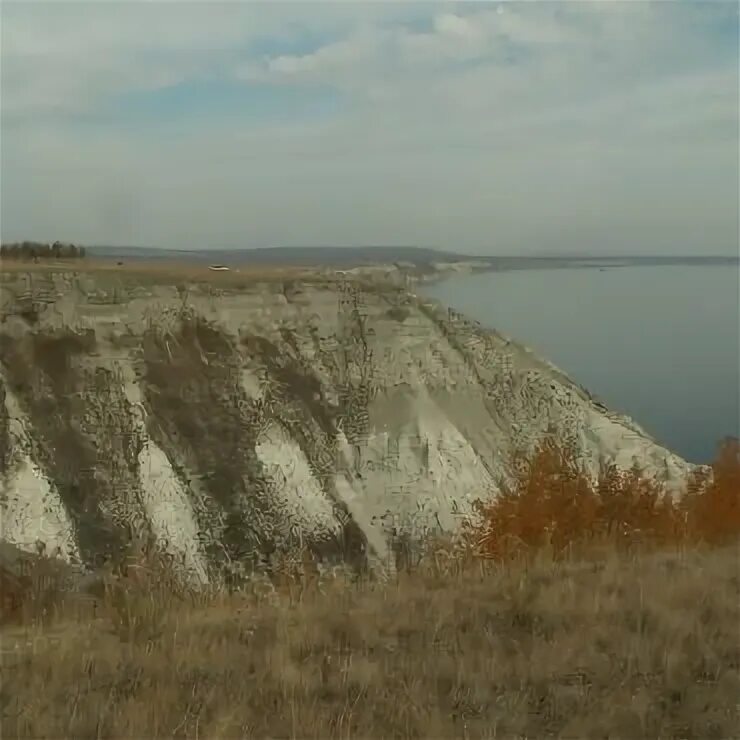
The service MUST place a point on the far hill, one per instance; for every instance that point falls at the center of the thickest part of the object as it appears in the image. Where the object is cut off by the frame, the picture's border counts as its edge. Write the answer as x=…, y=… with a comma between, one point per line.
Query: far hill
x=299, y=256
x=422, y=258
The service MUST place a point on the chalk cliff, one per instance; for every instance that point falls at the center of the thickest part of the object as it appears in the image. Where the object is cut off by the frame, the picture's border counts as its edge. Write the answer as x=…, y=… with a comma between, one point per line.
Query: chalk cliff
x=230, y=423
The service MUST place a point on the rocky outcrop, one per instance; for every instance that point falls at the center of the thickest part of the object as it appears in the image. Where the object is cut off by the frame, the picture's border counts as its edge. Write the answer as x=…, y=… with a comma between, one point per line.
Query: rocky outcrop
x=230, y=425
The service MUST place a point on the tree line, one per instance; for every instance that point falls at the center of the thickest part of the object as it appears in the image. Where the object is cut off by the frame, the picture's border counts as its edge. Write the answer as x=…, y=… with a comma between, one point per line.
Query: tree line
x=39, y=251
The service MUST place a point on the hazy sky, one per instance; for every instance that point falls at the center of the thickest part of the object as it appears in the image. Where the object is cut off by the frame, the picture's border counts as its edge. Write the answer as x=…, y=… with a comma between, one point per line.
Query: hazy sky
x=493, y=128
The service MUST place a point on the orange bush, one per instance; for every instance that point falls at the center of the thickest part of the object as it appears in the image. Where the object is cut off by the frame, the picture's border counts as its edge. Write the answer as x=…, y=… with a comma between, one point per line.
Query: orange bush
x=554, y=505
x=713, y=507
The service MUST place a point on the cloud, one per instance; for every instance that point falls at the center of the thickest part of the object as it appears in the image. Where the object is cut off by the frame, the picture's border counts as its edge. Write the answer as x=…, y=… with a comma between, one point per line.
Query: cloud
x=485, y=127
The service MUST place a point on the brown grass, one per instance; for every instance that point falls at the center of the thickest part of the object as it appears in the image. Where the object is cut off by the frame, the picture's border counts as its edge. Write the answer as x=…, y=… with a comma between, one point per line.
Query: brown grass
x=548, y=641
x=628, y=647
x=167, y=271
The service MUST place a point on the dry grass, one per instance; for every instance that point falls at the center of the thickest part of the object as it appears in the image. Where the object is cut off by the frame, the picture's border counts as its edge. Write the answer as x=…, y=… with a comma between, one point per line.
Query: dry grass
x=166, y=271
x=628, y=647
x=539, y=640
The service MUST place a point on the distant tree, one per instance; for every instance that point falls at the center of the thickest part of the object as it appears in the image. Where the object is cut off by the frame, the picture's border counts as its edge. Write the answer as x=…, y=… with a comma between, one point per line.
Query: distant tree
x=36, y=251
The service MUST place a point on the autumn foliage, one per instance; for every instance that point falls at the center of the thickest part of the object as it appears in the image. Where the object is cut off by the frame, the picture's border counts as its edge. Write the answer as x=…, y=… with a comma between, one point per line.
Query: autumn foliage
x=554, y=505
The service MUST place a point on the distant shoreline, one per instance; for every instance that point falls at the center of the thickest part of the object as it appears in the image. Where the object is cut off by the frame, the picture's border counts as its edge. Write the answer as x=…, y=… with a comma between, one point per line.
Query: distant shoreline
x=415, y=266
x=383, y=255
x=523, y=264
x=421, y=265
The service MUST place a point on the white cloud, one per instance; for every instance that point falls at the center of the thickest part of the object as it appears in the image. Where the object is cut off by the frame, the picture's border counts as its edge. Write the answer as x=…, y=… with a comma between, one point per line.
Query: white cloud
x=473, y=126
x=335, y=62
x=55, y=59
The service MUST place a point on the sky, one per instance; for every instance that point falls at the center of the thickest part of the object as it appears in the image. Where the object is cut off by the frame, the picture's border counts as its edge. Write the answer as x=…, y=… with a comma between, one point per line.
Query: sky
x=511, y=128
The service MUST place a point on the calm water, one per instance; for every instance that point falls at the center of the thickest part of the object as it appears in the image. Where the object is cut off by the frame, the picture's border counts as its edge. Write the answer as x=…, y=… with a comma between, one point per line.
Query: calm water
x=658, y=343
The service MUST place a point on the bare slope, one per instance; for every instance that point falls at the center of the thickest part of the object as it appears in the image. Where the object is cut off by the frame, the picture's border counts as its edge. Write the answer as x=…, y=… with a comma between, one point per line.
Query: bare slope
x=230, y=421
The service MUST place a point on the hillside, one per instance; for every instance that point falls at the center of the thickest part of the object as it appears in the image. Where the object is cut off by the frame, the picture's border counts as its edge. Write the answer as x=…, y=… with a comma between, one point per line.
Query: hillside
x=232, y=420
x=292, y=256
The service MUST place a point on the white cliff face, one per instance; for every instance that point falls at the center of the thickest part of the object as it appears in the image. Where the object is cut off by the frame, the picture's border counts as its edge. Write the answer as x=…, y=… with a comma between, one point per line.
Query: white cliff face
x=168, y=509
x=422, y=464
x=269, y=417
x=30, y=509
x=166, y=504
x=292, y=485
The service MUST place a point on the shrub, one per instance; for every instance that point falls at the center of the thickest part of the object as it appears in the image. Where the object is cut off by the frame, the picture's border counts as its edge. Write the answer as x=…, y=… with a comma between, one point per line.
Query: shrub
x=32, y=589
x=554, y=505
x=712, y=505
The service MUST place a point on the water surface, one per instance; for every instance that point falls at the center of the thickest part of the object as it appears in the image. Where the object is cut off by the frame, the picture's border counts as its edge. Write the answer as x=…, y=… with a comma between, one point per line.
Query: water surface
x=659, y=343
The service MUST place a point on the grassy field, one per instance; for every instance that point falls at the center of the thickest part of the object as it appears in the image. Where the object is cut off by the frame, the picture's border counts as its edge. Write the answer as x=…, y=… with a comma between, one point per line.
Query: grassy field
x=615, y=616
x=624, y=646
x=165, y=271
